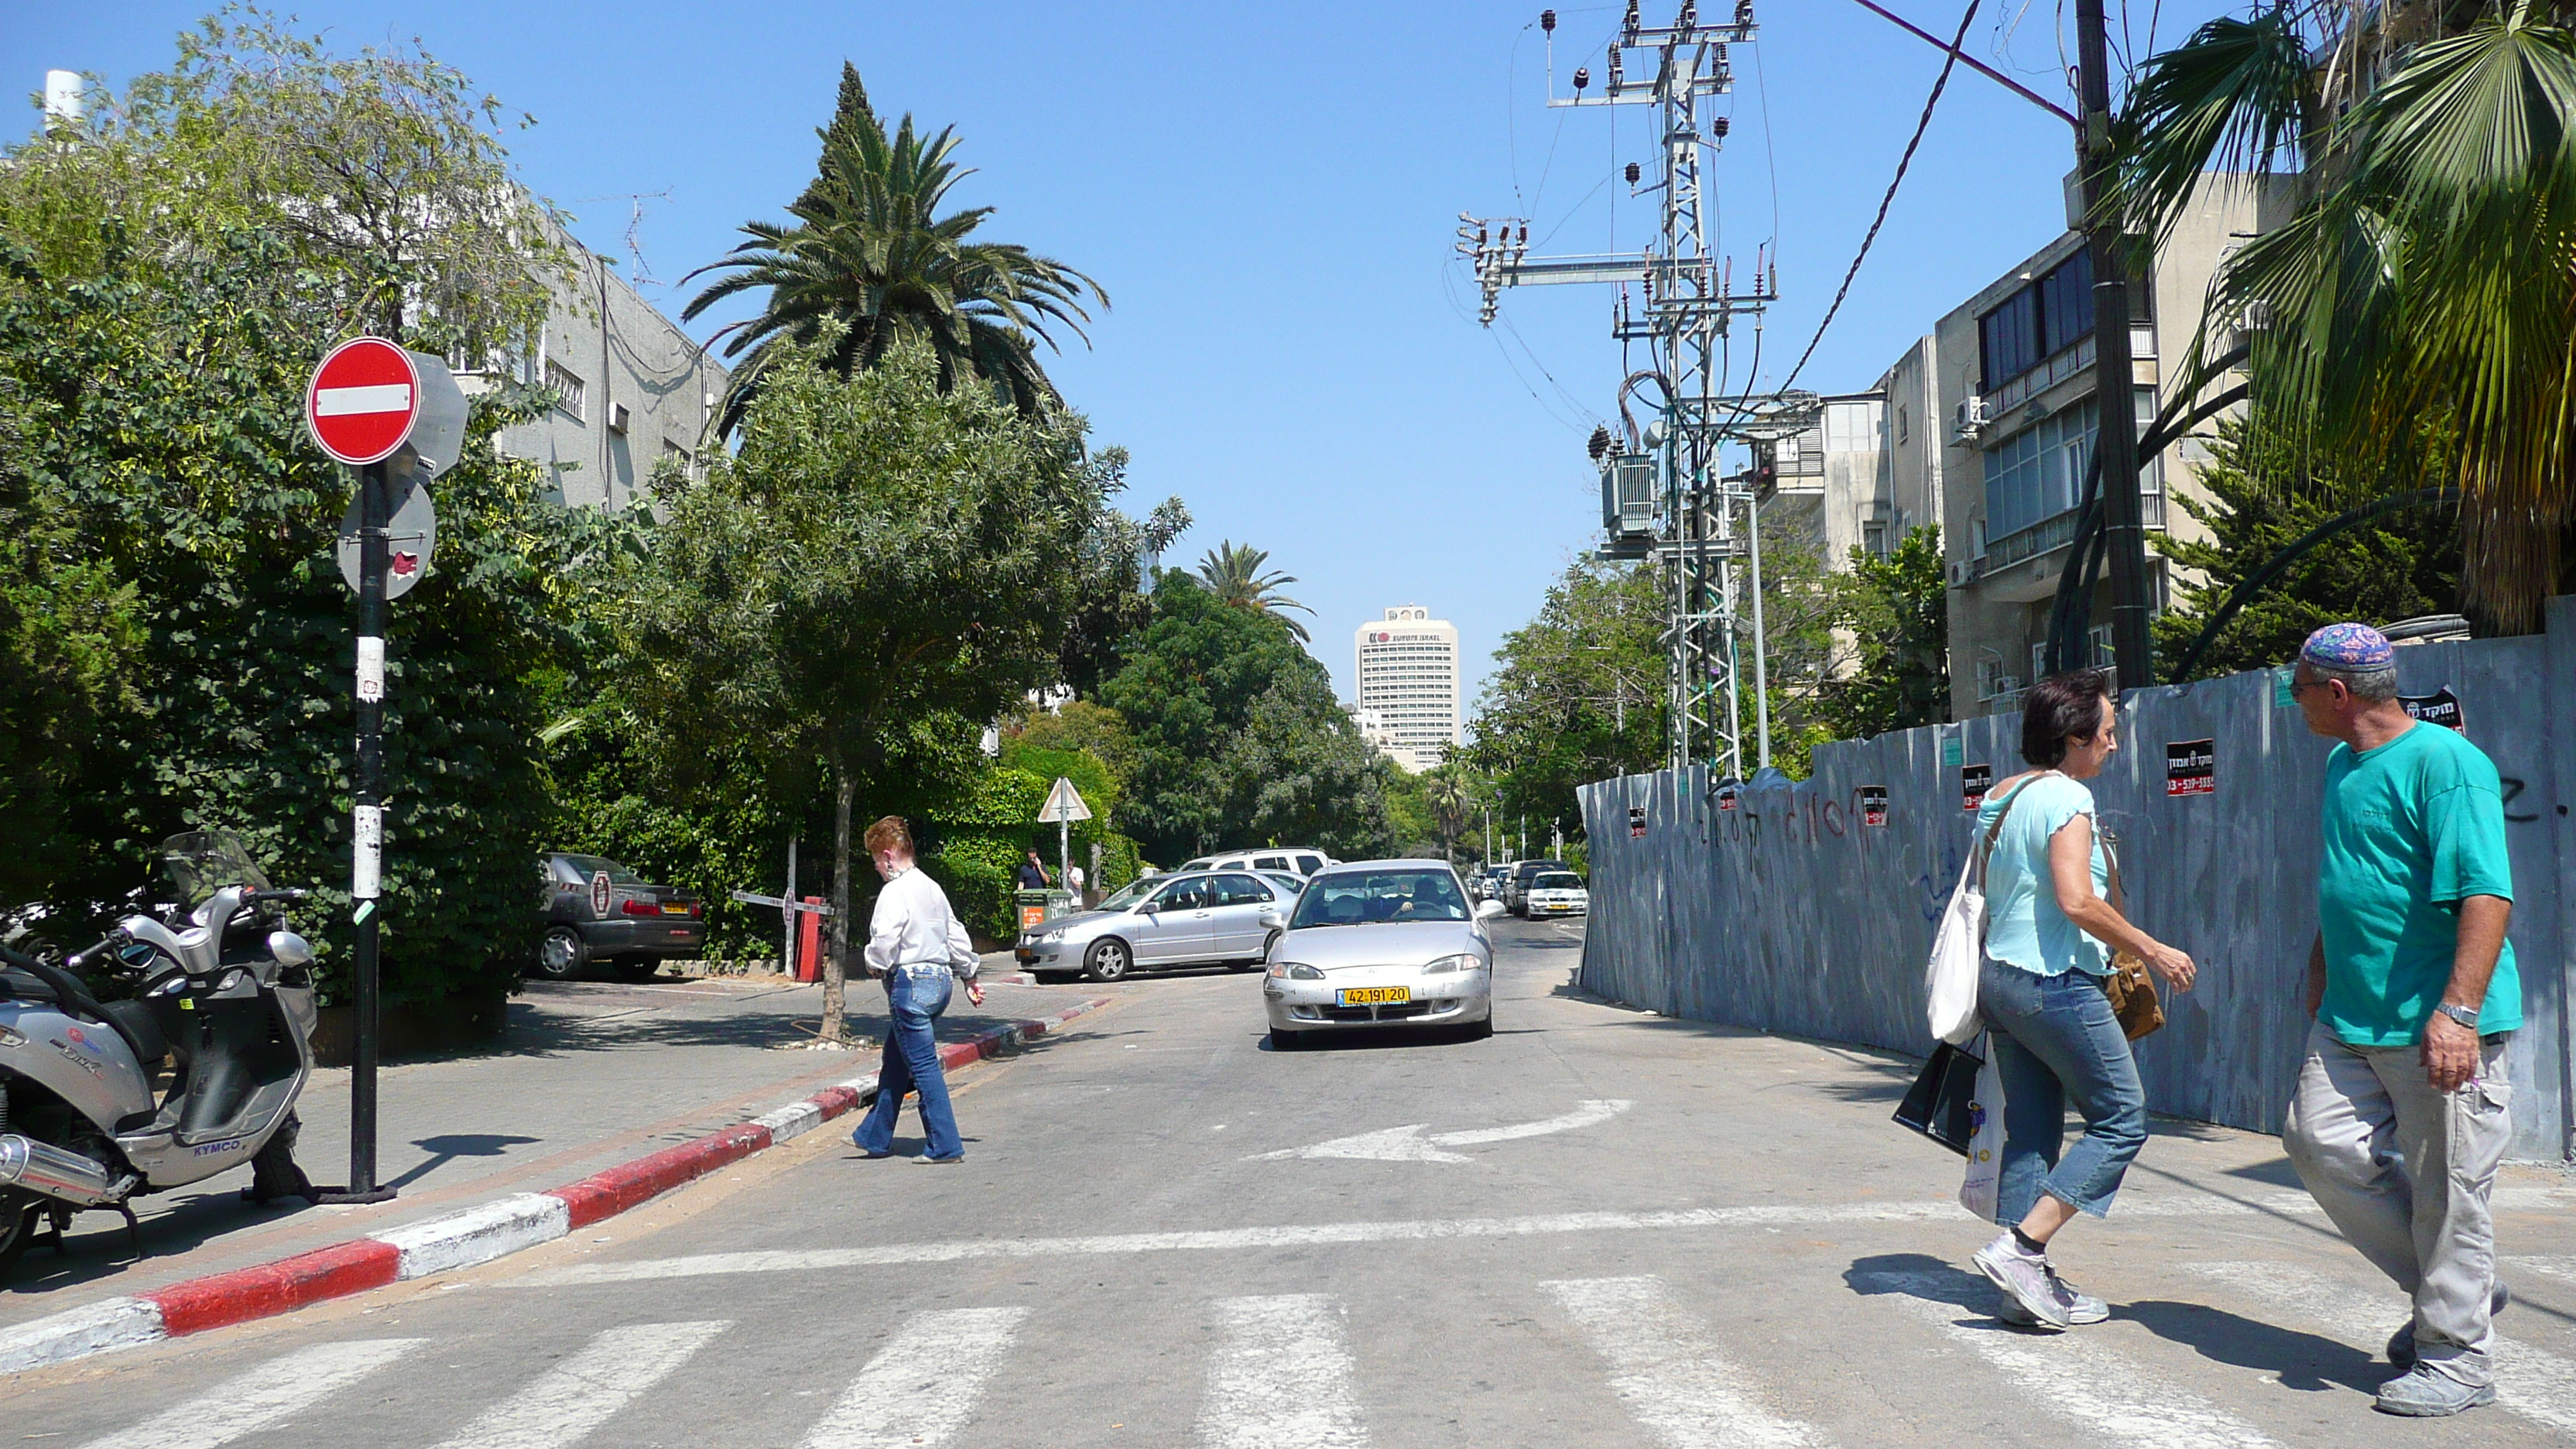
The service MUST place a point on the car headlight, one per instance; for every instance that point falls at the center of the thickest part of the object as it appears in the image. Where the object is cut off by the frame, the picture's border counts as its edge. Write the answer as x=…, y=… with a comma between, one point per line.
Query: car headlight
x=1463, y=961
x=1295, y=971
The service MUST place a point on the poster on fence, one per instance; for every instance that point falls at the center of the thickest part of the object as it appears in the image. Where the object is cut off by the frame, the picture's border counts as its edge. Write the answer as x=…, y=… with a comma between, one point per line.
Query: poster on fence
x=1636, y=822
x=2441, y=707
x=1974, y=782
x=1873, y=805
x=1726, y=793
x=2191, y=767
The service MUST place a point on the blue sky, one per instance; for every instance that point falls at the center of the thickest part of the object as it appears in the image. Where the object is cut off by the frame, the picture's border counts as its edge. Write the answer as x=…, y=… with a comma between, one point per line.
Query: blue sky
x=1269, y=195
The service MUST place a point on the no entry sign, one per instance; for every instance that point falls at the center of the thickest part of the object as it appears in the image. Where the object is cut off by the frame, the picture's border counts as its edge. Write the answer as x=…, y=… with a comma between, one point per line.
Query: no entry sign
x=363, y=400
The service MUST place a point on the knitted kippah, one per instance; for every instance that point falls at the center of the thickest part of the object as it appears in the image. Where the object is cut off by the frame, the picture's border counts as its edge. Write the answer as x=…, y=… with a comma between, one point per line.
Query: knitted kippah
x=2348, y=646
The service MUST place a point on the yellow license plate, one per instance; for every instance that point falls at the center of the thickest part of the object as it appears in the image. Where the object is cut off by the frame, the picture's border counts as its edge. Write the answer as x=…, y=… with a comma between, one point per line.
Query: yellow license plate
x=671, y=910
x=1376, y=995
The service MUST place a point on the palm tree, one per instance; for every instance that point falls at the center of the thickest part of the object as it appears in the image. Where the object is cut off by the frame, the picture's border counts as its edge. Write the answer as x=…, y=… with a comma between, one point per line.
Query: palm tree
x=1232, y=571
x=871, y=258
x=1447, y=796
x=2421, y=301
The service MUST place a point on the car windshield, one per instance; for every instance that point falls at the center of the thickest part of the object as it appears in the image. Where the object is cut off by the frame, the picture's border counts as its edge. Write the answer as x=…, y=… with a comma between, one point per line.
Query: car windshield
x=1289, y=883
x=590, y=865
x=1557, y=883
x=1365, y=897
x=1129, y=894
x=1204, y=862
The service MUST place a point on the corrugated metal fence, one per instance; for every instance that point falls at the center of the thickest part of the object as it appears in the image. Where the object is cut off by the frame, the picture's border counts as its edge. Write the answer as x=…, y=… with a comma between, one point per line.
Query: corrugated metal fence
x=1791, y=912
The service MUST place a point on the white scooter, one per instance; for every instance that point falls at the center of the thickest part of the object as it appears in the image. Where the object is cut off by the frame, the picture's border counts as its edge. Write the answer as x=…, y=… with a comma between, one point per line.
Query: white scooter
x=223, y=989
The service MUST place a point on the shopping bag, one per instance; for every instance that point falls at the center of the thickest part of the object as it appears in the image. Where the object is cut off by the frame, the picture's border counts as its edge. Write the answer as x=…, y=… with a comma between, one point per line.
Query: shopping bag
x=1985, y=1139
x=1958, y=947
x=1942, y=1102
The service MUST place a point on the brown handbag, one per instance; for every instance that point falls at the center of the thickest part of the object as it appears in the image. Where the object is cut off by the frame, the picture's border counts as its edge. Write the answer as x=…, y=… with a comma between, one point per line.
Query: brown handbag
x=2131, y=989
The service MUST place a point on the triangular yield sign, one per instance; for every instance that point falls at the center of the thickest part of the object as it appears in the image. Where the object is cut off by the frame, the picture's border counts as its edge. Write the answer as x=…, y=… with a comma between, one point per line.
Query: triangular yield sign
x=1064, y=803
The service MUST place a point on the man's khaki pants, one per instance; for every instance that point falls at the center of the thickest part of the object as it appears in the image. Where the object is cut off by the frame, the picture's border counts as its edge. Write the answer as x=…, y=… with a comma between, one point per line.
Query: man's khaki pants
x=2406, y=1173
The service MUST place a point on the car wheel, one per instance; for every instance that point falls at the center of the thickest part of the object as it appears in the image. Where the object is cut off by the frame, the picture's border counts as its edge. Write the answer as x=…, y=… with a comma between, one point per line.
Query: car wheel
x=1107, y=960
x=1284, y=1041
x=1480, y=1031
x=563, y=954
x=17, y=1225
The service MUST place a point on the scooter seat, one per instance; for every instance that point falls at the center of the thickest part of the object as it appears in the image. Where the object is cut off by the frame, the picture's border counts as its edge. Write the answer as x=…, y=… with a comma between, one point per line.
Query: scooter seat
x=133, y=1020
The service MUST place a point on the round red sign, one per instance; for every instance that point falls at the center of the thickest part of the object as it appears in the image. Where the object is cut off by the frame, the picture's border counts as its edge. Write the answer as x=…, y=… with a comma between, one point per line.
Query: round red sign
x=362, y=400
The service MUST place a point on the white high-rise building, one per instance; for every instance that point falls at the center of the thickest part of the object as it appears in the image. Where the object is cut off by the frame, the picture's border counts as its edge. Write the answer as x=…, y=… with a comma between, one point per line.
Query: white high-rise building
x=1407, y=672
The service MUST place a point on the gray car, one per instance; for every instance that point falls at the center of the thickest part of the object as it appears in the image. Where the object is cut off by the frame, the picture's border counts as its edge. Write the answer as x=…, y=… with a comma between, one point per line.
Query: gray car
x=1381, y=943
x=1193, y=918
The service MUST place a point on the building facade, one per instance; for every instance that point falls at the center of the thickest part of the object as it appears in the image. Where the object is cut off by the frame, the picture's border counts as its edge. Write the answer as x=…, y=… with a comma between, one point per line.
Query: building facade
x=1989, y=422
x=1406, y=671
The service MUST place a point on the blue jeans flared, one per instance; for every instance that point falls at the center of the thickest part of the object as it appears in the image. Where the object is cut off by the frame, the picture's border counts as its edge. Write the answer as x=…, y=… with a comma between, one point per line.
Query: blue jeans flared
x=915, y=995
x=2055, y=1039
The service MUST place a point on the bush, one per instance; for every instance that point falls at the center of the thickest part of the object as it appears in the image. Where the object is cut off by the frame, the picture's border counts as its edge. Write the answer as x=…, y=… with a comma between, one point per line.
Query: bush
x=980, y=894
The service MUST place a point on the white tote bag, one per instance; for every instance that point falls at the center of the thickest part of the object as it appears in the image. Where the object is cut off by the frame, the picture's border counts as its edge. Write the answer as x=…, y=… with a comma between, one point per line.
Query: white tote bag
x=1986, y=1145
x=1959, y=944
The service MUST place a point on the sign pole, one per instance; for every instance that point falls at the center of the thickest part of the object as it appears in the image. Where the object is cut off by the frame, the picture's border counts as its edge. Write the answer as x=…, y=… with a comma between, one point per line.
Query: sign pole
x=368, y=833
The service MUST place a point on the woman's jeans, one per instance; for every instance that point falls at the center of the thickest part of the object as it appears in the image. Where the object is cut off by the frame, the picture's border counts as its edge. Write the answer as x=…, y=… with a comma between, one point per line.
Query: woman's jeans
x=2055, y=1038
x=916, y=995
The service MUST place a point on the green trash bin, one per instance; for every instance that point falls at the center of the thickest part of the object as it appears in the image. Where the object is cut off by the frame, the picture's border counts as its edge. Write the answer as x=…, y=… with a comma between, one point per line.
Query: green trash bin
x=1036, y=908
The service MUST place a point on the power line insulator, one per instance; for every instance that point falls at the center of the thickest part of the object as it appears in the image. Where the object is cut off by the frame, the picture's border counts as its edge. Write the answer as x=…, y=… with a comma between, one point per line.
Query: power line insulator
x=1743, y=13
x=1582, y=77
x=1721, y=125
x=1689, y=17
x=1632, y=173
x=1547, y=20
x=1629, y=25
x=1600, y=443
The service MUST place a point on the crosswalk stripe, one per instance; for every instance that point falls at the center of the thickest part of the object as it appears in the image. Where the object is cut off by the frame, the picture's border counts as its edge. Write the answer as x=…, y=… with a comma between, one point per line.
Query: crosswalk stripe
x=923, y=1384
x=579, y=1394
x=250, y=1402
x=2106, y=1391
x=2554, y=1267
x=1284, y=1377
x=1666, y=1371
x=2532, y=1382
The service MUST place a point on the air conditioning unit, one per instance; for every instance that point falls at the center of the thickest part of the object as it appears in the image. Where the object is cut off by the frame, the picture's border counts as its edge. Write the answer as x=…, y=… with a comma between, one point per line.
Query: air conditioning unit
x=1970, y=419
x=1959, y=574
x=1628, y=496
x=617, y=416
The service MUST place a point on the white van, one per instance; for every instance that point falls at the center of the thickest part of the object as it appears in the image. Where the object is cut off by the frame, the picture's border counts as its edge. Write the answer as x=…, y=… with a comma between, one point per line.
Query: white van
x=1294, y=859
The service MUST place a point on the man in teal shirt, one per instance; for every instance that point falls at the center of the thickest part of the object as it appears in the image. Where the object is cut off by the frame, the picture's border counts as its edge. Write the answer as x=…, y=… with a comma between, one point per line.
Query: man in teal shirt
x=2398, y=1121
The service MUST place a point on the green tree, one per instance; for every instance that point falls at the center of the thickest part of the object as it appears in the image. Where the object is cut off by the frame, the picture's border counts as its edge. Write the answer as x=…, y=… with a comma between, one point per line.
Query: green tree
x=873, y=260
x=1232, y=572
x=1578, y=693
x=1897, y=611
x=166, y=283
x=2258, y=501
x=2423, y=281
x=885, y=563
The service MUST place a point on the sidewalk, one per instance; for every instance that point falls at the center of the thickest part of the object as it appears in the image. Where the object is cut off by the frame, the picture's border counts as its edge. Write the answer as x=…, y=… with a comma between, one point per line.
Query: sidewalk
x=588, y=1075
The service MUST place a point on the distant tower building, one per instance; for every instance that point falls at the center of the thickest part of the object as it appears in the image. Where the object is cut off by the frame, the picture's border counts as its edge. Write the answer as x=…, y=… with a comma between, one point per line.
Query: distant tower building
x=1408, y=678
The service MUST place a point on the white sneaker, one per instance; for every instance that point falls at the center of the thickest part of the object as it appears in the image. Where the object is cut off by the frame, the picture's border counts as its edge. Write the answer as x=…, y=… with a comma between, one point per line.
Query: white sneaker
x=2026, y=1281
x=2081, y=1307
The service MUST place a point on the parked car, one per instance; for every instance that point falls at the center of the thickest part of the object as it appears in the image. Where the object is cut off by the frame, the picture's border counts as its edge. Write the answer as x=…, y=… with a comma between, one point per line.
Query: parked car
x=1296, y=859
x=1556, y=893
x=597, y=911
x=1294, y=885
x=1516, y=883
x=1381, y=943
x=1194, y=918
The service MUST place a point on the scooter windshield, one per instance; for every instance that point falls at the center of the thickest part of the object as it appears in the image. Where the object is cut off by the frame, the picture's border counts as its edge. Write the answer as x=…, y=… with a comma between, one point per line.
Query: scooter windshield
x=202, y=862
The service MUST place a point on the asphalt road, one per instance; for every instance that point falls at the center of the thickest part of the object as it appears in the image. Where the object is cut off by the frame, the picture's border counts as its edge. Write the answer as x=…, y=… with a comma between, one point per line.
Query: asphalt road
x=1597, y=1228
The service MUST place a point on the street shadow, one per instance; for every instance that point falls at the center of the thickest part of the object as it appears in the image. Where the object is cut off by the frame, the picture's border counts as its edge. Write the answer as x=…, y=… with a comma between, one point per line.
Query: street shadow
x=1387, y=1038
x=2305, y=1362
x=97, y=1247
x=2276, y=1173
x=446, y=1149
x=1934, y=1280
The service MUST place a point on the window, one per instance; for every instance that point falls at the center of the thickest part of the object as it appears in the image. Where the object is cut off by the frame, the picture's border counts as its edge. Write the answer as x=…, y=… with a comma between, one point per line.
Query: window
x=1873, y=538
x=2066, y=304
x=566, y=385
x=2038, y=472
x=1900, y=425
x=1851, y=427
x=2037, y=322
x=1184, y=895
x=2008, y=340
x=1240, y=890
x=1355, y=898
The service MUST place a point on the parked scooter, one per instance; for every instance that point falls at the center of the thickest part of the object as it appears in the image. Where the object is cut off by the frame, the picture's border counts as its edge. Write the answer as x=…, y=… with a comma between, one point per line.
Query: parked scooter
x=223, y=988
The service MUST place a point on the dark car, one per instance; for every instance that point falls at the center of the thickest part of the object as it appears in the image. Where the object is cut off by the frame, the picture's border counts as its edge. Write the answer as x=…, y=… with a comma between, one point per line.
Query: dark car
x=599, y=911
x=1516, y=884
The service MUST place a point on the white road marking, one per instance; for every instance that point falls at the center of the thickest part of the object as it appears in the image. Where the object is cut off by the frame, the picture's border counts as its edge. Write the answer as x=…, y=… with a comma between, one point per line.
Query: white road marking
x=1665, y=1369
x=581, y=1393
x=338, y=402
x=2107, y=1392
x=2554, y=1267
x=250, y=1402
x=923, y=1384
x=1407, y=1144
x=2532, y=1382
x=1284, y=1378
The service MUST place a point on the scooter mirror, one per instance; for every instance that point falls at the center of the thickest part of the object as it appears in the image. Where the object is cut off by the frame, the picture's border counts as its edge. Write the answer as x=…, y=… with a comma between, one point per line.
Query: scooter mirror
x=290, y=949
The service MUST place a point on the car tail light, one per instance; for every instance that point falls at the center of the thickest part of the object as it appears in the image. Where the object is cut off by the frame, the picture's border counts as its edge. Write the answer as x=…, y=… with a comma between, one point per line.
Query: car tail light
x=636, y=907
x=696, y=910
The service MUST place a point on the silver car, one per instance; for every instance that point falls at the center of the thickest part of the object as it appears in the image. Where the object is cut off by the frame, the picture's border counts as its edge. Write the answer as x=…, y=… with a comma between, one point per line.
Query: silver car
x=1381, y=943
x=1198, y=918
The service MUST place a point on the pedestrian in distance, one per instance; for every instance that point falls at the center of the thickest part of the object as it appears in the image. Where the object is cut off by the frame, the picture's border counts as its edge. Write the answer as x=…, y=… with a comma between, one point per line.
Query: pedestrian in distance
x=2399, y=1118
x=1033, y=873
x=916, y=945
x=1074, y=882
x=2040, y=991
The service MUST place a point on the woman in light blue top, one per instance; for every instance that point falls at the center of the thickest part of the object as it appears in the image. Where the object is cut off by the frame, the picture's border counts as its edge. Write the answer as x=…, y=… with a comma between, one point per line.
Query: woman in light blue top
x=2049, y=934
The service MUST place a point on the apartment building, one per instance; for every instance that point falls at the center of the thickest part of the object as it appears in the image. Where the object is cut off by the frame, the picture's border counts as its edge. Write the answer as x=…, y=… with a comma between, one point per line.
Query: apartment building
x=1406, y=670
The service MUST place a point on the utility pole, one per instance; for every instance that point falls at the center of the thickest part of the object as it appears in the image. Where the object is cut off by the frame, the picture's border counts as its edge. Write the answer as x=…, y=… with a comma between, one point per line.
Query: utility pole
x=2132, y=640
x=1686, y=315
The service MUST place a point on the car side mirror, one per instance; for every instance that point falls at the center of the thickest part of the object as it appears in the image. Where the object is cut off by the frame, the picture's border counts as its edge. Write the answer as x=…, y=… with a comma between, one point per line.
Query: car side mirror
x=1149, y=908
x=1272, y=921
x=1489, y=908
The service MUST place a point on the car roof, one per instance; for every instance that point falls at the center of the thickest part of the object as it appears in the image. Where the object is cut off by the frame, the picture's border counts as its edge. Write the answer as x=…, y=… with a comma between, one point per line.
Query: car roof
x=1352, y=865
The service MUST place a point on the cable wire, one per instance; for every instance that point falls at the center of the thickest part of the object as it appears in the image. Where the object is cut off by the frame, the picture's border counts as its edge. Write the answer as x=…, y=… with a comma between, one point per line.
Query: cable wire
x=1949, y=62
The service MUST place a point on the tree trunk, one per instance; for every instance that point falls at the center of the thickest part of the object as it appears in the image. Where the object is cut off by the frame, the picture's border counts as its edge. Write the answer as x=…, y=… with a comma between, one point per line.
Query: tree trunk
x=836, y=962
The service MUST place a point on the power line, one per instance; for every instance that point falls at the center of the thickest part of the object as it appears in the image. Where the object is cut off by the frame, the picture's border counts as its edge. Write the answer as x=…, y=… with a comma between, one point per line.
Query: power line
x=1949, y=62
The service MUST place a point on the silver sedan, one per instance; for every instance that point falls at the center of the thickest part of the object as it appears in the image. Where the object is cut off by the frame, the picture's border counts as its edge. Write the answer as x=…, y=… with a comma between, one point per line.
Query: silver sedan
x=1381, y=943
x=1198, y=919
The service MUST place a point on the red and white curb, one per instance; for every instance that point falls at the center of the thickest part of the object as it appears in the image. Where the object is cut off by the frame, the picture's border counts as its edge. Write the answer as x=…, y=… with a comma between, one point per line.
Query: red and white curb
x=455, y=1240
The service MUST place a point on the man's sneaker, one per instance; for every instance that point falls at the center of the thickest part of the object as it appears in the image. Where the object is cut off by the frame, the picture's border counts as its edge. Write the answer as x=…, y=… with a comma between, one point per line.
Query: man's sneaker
x=2081, y=1307
x=2425, y=1393
x=2025, y=1279
x=2401, y=1344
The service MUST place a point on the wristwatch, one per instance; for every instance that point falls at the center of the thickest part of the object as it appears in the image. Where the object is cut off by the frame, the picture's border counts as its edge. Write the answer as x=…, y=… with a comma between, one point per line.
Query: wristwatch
x=2465, y=1016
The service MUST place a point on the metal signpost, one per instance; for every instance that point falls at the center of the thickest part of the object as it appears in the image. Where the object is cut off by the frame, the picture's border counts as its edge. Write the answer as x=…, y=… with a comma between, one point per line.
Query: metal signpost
x=399, y=419
x=1063, y=806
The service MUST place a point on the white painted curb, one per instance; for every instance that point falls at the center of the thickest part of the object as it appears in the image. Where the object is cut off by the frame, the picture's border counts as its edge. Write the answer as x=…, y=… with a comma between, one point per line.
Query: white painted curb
x=478, y=1234
x=79, y=1332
